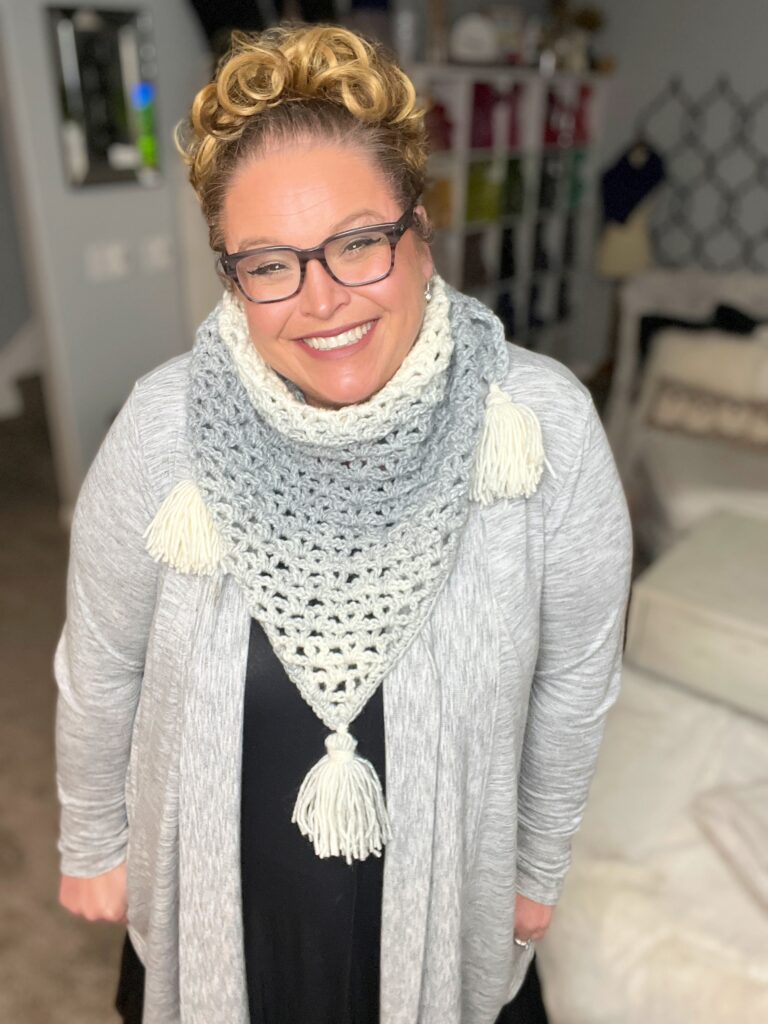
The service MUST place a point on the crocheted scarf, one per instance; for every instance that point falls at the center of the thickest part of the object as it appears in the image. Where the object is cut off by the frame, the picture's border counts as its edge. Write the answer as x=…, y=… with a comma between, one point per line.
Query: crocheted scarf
x=342, y=525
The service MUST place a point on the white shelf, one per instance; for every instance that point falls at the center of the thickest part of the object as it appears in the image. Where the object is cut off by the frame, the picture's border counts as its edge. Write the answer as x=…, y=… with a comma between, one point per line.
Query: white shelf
x=523, y=106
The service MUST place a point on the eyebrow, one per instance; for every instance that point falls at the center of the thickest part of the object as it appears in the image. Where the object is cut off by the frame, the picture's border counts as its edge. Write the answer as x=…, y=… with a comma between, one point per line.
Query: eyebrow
x=254, y=243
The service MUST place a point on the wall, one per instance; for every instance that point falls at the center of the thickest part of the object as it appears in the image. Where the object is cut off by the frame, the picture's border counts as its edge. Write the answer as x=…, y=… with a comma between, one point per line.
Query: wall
x=14, y=301
x=100, y=336
x=696, y=40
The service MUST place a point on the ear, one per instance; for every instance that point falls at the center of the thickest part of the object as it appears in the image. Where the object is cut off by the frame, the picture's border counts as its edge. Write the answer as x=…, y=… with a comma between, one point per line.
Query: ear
x=425, y=252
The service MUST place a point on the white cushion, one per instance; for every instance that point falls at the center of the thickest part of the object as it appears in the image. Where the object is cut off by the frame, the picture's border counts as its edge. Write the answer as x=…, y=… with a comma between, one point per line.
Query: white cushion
x=699, y=614
x=691, y=478
x=699, y=412
x=726, y=364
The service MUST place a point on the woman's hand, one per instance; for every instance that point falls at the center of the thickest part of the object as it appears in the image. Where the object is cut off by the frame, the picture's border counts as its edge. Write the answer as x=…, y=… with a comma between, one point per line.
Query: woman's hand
x=531, y=919
x=102, y=898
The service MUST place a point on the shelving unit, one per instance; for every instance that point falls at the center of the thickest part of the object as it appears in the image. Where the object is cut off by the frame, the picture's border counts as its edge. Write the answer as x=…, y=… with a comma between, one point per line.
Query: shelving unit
x=511, y=195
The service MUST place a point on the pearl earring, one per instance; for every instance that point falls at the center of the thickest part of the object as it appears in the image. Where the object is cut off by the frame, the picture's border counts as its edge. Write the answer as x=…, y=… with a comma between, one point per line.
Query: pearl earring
x=428, y=290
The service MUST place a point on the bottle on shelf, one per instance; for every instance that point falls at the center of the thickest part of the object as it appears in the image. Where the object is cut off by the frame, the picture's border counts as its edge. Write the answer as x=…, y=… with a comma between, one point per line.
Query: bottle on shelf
x=581, y=115
x=563, y=300
x=549, y=184
x=439, y=127
x=514, y=98
x=483, y=102
x=483, y=192
x=505, y=311
x=475, y=274
x=508, y=255
x=540, y=254
x=513, y=191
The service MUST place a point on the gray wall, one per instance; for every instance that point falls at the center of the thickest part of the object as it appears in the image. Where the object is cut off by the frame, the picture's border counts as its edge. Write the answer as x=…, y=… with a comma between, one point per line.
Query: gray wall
x=100, y=335
x=696, y=40
x=14, y=300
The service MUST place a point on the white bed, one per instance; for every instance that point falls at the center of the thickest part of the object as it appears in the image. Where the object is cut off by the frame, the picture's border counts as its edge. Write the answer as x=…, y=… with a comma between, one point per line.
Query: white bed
x=674, y=478
x=664, y=917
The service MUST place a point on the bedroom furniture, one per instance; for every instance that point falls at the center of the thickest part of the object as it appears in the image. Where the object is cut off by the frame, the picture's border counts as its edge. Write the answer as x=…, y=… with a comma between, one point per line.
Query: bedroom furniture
x=664, y=915
x=512, y=192
x=698, y=438
x=699, y=614
x=692, y=437
x=684, y=294
x=661, y=918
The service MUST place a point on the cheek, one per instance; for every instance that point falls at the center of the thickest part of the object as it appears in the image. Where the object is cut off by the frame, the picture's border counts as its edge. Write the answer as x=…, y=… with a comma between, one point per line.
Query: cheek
x=411, y=310
x=265, y=327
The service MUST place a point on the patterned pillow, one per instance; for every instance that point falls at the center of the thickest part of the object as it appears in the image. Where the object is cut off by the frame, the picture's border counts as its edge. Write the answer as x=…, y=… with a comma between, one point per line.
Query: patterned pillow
x=680, y=407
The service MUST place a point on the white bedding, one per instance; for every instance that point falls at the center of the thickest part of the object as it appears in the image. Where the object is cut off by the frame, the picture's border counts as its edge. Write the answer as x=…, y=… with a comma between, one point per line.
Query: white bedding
x=681, y=480
x=655, y=925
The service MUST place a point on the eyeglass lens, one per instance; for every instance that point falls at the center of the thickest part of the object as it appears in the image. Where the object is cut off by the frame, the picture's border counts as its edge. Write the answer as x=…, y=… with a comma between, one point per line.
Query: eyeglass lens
x=354, y=260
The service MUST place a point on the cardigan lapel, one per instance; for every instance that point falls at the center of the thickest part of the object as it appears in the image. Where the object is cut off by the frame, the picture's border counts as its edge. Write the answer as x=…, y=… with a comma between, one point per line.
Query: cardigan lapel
x=209, y=809
x=412, y=732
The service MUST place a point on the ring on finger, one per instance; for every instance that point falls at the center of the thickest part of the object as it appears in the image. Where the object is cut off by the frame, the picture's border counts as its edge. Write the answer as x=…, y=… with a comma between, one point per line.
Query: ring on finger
x=525, y=943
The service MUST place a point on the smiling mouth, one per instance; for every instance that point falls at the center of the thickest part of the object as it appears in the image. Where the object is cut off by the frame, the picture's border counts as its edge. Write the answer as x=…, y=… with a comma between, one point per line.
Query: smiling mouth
x=342, y=340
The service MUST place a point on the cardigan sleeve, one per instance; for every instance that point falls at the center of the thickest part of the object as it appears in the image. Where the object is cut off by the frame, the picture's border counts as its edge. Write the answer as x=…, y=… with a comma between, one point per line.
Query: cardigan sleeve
x=587, y=565
x=111, y=584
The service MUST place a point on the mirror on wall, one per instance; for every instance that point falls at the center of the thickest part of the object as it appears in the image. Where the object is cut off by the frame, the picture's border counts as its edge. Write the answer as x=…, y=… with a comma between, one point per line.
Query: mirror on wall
x=106, y=65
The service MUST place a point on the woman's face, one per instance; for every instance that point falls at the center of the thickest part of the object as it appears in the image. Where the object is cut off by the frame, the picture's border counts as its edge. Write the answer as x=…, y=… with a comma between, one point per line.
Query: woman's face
x=299, y=195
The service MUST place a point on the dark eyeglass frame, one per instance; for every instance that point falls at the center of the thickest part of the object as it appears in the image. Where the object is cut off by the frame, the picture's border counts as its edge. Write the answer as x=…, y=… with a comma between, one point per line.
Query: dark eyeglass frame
x=394, y=231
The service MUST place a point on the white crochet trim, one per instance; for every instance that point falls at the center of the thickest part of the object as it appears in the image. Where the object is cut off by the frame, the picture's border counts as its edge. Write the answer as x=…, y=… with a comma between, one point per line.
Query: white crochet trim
x=421, y=372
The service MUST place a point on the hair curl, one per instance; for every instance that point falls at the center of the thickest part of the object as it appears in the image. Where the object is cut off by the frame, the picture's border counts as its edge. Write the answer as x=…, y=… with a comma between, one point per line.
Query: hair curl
x=294, y=82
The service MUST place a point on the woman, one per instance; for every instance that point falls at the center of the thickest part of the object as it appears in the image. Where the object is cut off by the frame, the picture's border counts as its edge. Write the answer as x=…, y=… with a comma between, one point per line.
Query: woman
x=355, y=486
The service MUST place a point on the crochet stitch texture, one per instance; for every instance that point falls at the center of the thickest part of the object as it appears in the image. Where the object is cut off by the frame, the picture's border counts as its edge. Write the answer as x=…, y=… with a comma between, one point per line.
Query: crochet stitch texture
x=341, y=525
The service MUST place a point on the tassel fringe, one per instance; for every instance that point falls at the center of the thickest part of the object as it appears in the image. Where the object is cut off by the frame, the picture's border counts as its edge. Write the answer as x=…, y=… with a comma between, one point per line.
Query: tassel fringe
x=510, y=459
x=340, y=806
x=182, y=533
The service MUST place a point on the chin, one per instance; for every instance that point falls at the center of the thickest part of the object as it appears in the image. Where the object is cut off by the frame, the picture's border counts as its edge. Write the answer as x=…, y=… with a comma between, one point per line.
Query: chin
x=346, y=393
x=339, y=399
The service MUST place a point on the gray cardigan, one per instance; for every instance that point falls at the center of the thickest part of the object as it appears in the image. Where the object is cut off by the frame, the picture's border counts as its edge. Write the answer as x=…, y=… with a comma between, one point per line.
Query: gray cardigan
x=493, y=718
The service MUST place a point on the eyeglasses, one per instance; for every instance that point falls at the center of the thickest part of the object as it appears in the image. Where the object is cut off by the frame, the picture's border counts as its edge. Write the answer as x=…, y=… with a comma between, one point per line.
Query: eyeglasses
x=352, y=258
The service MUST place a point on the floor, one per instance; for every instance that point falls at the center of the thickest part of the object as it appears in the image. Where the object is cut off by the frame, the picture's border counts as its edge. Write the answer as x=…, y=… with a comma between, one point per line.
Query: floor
x=54, y=969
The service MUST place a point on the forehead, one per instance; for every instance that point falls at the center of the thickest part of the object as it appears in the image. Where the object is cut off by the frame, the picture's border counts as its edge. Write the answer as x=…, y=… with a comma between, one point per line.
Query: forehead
x=299, y=194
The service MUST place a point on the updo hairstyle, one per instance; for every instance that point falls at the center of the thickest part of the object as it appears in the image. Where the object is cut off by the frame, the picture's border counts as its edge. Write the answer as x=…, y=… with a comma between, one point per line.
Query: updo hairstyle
x=296, y=82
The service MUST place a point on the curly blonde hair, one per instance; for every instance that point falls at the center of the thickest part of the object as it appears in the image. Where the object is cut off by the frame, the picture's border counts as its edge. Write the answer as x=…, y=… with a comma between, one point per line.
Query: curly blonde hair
x=295, y=82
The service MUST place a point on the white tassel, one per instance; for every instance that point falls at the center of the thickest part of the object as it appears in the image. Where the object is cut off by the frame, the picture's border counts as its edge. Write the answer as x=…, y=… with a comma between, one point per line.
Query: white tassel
x=182, y=533
x=340, y=805
x=510, y=458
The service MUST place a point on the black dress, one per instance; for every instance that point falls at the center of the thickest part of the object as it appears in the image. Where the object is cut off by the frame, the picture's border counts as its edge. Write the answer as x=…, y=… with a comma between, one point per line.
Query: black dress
x=311, y=927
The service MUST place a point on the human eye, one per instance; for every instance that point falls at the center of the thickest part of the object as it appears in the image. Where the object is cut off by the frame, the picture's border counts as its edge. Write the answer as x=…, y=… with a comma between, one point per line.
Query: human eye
x=360, y=244
x=266, y=267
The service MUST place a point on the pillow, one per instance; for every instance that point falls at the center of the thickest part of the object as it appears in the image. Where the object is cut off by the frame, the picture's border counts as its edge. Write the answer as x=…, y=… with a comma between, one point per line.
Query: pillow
x=734, y=321
x=690, y=410
x=652, y=325
x=724, y=364
x=726, y=318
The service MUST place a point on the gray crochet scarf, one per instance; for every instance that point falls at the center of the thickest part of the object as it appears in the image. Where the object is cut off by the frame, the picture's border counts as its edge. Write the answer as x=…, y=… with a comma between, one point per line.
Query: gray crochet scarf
x=342, y=526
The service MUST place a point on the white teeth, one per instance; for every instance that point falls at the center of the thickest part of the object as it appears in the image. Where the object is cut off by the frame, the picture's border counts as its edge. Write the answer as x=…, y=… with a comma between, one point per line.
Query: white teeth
x=339, y=340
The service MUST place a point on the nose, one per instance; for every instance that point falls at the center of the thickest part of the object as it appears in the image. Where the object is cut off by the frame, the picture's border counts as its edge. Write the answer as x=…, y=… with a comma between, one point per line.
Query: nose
x=321, y=296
